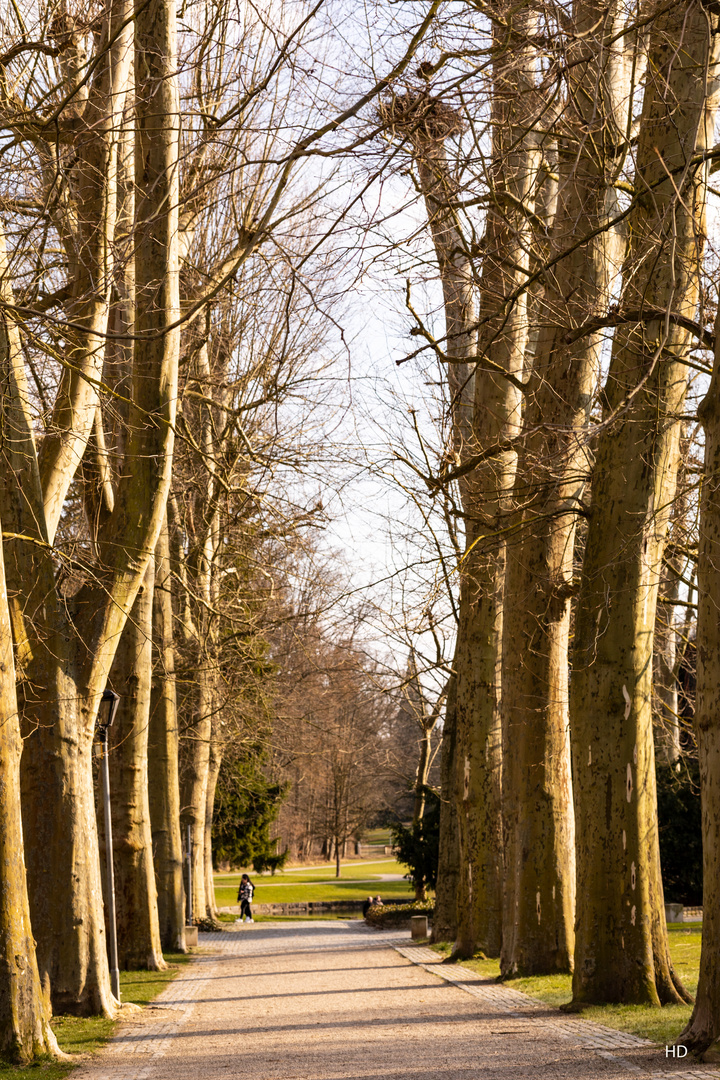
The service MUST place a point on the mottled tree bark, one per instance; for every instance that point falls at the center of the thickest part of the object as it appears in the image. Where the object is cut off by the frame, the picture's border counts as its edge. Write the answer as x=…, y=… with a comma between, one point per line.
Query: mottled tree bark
x=63, y=869
x=445, y=920
x=702, y=1033
x=64, y=672
x=198, y=786
x=87, y=230
x=136, y=910
x=163, y=777
x=194, y=784
x=485, y=409
x=553, y=462
x=622, y=951
x=214, y=763
x=665, y=683
x=25, y=1031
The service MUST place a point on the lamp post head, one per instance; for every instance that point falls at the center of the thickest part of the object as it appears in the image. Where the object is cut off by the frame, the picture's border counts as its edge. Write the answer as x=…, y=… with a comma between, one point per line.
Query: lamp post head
x=108, y=708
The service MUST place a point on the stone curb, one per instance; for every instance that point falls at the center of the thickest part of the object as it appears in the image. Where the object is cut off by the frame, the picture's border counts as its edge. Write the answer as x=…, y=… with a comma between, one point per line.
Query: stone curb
x=584, y=1034
x=134, y=1051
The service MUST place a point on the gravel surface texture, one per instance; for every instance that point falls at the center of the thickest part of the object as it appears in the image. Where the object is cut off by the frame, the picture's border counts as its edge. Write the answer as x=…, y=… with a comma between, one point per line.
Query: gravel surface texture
x=336, y=1001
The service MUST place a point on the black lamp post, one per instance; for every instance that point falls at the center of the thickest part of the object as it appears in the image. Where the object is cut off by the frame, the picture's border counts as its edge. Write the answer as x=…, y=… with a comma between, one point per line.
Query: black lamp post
x=106, y=714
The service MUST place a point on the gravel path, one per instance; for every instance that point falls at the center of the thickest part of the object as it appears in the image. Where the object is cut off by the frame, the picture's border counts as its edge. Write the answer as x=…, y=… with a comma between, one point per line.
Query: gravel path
x=332, y=1001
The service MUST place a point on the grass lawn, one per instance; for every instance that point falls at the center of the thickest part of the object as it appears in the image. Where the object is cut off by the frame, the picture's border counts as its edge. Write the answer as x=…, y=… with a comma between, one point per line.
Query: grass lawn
x=356, y=881
x=377, y=836
x=661, y=1025
x=353, y=871
x=301, y=918
x=267, y=893
x=85, y=1035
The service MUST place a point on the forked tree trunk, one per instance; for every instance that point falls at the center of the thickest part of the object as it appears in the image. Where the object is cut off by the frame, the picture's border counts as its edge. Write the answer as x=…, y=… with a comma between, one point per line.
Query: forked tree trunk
x=56, y=701
x=445, y=920
x=702, y=1034
x=138, y=928
x=25, y=1032
x=539, y=895
x=62, y=860
x=89, y=237
x=501, y=347
x=622, y=949
x=64, y=664
x=477, y=424
x=163, y=777
x=484, y=371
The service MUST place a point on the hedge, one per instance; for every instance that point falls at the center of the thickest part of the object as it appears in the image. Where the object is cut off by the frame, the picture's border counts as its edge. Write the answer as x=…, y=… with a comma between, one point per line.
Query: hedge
x=387, y=915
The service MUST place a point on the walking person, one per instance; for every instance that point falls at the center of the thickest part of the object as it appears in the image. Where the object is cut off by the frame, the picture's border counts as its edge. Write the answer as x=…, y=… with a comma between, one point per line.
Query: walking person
x=245, y=895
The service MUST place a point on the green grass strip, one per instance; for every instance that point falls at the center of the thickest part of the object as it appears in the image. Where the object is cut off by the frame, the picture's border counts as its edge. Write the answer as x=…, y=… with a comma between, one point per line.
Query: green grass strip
x=88, y=1034
x=368, y=871
x=334, y=891
x=660, y=1025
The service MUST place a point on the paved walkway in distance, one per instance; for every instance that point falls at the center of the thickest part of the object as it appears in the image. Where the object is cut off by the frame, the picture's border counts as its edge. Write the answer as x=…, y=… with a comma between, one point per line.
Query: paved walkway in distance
x=334, y=1001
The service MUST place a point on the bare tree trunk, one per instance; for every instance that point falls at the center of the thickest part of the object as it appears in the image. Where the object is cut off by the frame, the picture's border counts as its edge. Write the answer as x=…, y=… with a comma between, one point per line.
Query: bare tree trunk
x=702, y=1034
x=421, y=779
x=199, y=786
x=444, y=923
x=89, y=236
x=478, y=756
x=194, y=784
x=421, y=776
x=484, y=374
x=539, y=895
x=63, y=672
x=163, y=778
x=62, y=860
x=25, y=1032
x=622, y=950
x=136, y=894
x=214, y=764
x=665, y=684
x=475, y=660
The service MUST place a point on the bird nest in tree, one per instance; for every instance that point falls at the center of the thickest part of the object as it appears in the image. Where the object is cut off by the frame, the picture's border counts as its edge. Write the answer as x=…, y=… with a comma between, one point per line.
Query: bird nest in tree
x=419, y=114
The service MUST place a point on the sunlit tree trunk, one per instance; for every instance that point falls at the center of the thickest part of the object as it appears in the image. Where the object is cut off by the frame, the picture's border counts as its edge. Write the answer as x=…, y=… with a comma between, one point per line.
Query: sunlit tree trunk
x=163, y=777
x=63, y=869
x=552, y=466
x=485, y=409
x=87, y=230
x=622, y=950
x=25, y=1031
x=198, y=786
x=138, y=928
x=702, y=1033
x=214, y=764
x=194, y=783
x=62, y=672
x=665, y=684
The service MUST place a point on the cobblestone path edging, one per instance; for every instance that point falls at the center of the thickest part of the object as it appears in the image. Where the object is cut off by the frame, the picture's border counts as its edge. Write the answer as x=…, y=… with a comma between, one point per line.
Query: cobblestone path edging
x=162, y=1031
x=581, y=1033
x=133, y=1052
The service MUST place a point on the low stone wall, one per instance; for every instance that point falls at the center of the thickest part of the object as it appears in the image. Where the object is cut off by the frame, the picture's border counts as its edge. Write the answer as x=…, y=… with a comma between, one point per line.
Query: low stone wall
x=676, y=913
x=311, y=907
